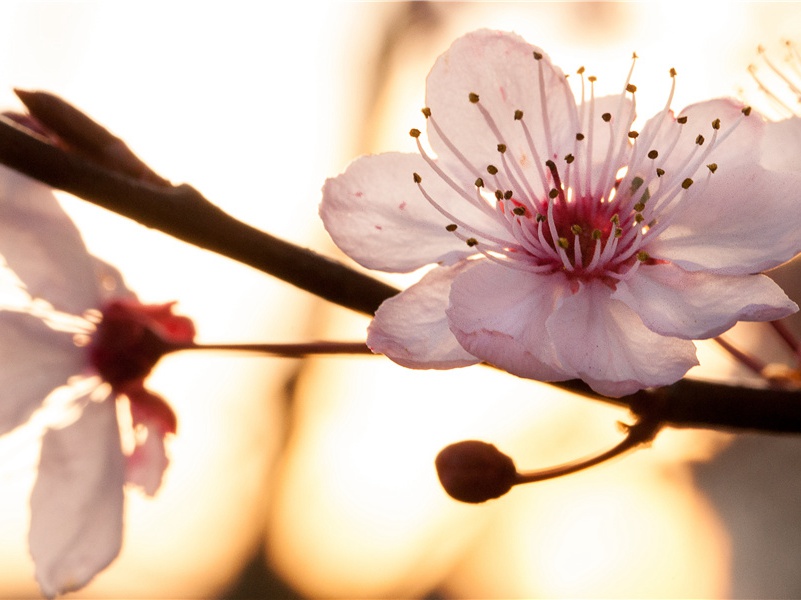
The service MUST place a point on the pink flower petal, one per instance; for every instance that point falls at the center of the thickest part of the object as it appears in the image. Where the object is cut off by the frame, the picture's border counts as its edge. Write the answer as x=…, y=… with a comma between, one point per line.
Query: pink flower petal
x=781, y=145
x=42, y=245
x=604, y=342
x=151, y=414
x=412, y=328
x=35, y=360
x=77, y=501
x=501, y=69
x=148, y=462
x=744, y=222
x=377, y=215
x=498, y=314
x=674, y=302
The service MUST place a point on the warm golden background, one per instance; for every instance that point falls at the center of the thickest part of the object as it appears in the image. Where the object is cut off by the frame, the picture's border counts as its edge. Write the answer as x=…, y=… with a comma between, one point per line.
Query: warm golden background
x=317, y=478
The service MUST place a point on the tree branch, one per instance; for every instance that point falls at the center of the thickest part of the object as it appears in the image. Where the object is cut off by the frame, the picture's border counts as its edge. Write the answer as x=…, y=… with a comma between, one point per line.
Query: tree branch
x=185, y=214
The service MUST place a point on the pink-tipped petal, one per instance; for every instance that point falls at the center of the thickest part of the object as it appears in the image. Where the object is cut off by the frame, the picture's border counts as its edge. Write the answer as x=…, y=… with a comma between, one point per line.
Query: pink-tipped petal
x=604, y=342
x=77, y=501
x=697, y=305
x=412, y=328
x=499, y=314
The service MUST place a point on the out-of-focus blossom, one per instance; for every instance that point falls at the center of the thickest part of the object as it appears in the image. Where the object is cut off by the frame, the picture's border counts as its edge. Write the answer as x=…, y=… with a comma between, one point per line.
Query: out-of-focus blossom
x=566, y=244
x=75, y=347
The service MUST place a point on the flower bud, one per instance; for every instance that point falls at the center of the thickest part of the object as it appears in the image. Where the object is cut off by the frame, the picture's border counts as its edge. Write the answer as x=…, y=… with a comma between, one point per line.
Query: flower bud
x=474, y=471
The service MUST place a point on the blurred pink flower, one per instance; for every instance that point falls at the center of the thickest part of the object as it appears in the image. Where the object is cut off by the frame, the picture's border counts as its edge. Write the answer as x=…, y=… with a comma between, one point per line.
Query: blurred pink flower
x=69, y=324
x=566, y=245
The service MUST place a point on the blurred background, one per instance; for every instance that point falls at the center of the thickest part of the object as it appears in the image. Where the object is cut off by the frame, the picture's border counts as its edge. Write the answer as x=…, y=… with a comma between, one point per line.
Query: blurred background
x=315, y=478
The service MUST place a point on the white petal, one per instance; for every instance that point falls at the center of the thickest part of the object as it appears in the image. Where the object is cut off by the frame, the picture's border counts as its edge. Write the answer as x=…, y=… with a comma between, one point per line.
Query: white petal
x=603, y=342
x=499, y=314
x=42, y=245
x=34, y=360
x=501, y=69
x=412, y=328
x=376, y=214
x=77, y=501
x=740, y=223
x=674, y=302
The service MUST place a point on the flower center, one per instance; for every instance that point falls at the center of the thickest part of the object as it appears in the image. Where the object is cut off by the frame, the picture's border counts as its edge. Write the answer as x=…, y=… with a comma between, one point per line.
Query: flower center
x=132, y=337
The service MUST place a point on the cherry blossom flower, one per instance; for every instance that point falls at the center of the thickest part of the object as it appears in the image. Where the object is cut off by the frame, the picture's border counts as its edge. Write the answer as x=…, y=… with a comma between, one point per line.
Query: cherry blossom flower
x=75, y=347
x=565, y=244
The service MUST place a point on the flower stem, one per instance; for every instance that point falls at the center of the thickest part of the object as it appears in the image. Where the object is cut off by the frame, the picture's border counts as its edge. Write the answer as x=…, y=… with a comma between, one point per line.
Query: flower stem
x=642, y=432
x=284, y=350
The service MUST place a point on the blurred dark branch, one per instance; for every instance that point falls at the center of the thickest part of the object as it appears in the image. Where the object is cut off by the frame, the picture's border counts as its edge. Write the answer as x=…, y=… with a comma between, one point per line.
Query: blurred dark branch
x=58, y=145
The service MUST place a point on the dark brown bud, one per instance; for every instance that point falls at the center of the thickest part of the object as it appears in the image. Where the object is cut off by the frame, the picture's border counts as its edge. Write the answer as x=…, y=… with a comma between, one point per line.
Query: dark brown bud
x=474, y=471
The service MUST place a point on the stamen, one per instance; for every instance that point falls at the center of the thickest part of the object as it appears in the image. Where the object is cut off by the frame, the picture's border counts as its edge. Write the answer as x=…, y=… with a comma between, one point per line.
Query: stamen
x=515, y=261
x=577, y=258
x=790, y=83
x=516, y=176
x=454, y=150
x=546, y=122
x=560, y=249
x=533, y=241
x=589, y=146
x=557, y=181
x=535, y=156
x=447, y=179
x=452, y=218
